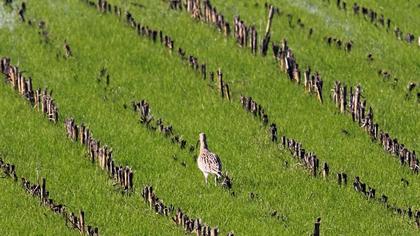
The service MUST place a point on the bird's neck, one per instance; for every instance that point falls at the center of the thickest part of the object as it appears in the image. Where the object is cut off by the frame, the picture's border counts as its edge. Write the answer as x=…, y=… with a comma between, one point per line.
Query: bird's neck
x=203, y=145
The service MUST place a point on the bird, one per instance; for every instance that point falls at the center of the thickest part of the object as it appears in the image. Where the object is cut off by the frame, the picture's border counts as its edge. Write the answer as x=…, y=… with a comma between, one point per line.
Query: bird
x=207, y=161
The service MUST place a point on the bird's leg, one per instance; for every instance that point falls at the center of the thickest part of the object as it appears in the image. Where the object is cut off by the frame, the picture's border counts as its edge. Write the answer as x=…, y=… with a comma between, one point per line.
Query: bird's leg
x=215, y=180
x=205, y=177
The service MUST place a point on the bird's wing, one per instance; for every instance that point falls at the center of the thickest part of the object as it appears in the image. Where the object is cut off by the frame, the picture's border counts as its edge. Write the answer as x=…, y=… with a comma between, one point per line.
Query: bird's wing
x=214, y=162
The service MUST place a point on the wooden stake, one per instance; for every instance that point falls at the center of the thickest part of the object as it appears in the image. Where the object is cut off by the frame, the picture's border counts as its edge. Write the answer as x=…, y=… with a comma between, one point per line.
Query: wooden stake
x=203, y=71
x=267, y=36
x=43, y=189
x=214, y=232
x=82, y=222
x=343, y=98
x=221, y=84
x=130, y=180
x=270, y=19
x=227, y=91
x=316, y=227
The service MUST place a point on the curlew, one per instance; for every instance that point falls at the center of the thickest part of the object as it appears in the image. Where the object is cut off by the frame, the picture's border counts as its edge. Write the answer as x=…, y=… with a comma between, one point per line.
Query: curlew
x=208, y=162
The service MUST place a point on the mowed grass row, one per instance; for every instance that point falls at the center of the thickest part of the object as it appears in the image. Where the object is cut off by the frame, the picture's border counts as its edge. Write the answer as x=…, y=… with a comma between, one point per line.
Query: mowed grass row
x=281, y=189
x=319, y=127
x=21, y=214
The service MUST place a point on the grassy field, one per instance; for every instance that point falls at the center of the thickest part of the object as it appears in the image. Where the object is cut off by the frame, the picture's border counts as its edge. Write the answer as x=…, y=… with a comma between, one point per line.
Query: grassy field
x=140, y=69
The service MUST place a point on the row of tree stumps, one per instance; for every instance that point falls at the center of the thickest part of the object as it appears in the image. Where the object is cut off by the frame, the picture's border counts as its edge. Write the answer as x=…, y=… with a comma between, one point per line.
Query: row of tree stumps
x=208, y=14
x=8, y=169
x=40, y=100
x=102, y=154
x=246, y=36
x=308, y=159
x=312, y=82
x=370, y=193
x=144, y=31
x=143, y=109
x=223, y=88
x=40, y=191
x=190, y=225
x=352, y=102
x=251, y=106
x=339, y=43
x=204, y=11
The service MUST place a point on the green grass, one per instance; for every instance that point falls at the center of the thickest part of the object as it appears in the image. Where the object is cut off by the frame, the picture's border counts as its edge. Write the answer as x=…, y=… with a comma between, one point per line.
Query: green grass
x=140, y=69
x=22, y=214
